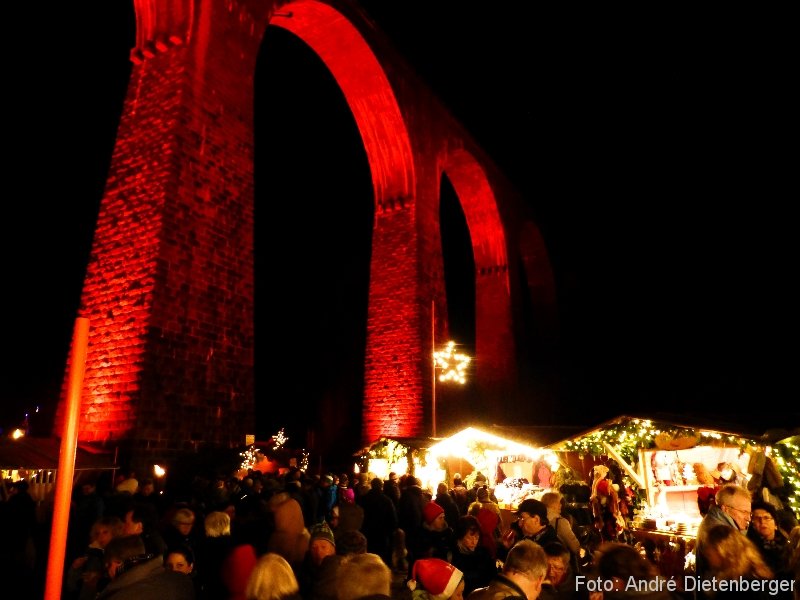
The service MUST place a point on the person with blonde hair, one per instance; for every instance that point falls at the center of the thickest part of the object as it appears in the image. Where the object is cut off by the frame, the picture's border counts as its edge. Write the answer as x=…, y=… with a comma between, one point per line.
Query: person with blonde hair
x=272, y=578
x=217, y=523
x=733, y=557
x=363, y=576
x=223, y=563
x=625, y=573
x=87, y=570
x=563, y=526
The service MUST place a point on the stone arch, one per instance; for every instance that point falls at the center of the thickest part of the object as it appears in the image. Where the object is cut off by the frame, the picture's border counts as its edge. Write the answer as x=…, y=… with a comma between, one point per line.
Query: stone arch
x=169, y=285
x=494, y=342
x=366, y=87
x=538, y=275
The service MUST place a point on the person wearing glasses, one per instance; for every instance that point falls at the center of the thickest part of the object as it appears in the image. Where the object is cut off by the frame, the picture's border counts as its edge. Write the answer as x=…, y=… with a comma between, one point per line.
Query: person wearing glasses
x=731, y=508
x=771, y=541
x=532, y=524
x=522, y=576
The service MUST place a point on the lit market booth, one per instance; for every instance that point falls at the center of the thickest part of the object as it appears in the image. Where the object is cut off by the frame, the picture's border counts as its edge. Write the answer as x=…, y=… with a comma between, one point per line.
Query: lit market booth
x=395, y=455
x=673, y=470
x=512, y=468
x=36, y=461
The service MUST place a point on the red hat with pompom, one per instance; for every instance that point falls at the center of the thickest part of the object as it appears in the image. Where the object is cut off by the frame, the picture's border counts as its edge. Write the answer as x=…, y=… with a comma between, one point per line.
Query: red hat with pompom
x=437, y=577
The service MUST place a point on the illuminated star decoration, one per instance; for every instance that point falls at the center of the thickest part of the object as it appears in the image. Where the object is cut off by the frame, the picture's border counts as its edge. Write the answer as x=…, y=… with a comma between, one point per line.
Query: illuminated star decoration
x=452, y=364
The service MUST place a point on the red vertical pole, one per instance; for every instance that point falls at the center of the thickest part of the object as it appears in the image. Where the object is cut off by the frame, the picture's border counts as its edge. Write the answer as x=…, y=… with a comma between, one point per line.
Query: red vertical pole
x=66, y=462
x=433, y=351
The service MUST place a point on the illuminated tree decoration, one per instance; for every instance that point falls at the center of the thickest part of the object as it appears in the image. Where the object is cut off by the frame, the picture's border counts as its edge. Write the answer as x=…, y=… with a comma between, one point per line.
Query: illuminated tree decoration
x=452, y=364
x=304, y=461
x=279, y=439
x=249, y=457
x=786, y=454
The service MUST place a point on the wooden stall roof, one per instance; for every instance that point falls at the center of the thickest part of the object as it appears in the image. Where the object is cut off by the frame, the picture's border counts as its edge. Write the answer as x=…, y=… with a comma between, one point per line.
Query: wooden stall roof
x=539, y=436
x=685, y=421
x=415, y=443
x=33, y=453
x=491, y=438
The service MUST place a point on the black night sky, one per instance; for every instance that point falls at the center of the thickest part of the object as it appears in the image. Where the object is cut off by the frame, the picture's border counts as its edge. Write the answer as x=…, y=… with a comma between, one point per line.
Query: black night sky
x=654, y=149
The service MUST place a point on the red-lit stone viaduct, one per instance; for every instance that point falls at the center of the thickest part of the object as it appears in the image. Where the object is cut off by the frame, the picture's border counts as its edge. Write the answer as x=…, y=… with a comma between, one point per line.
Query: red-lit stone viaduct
x=169, y=289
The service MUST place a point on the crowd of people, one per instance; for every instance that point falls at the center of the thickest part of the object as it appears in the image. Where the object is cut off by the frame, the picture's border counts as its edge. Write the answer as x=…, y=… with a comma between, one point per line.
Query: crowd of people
x=298, y=536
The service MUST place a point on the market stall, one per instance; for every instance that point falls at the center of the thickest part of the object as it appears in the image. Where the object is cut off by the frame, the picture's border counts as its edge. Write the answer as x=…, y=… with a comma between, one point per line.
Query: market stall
x=668, y=470
x=394, y=455
x=513, y=469
x=35, y=460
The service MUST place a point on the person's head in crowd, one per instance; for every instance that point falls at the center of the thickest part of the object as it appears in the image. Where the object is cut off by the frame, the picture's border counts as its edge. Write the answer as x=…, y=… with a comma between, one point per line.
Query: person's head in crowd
x=183, y=520
x=351, y=542
x=441, y=489
x=531, y=516
x=526, y=565
x=552, y=500
x=483, y=495
x=764, y=520
x=558, y=557
x=732, y=555
x=146, y=487
x=272, y=578
x=433, y=516
x=735, y=502
x=334, y=517
x=321, y=544
x=376, y=484
x=363, y=576
x=217, y=523
x=438, y=577
x=180, y=559
x=104, y=530
x=619, y=562
x=138, y=519
x=467, y=533
x=127, y=486
x=89, y=487
x=123, y=552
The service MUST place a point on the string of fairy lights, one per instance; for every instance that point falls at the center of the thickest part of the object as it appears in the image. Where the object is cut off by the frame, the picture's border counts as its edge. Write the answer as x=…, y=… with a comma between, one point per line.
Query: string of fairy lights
x=631, y=435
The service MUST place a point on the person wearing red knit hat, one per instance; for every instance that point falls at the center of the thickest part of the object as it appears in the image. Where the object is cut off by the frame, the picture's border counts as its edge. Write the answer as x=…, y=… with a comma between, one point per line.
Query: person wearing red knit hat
x=431, y=511
x=436, y=579
x=435, y=538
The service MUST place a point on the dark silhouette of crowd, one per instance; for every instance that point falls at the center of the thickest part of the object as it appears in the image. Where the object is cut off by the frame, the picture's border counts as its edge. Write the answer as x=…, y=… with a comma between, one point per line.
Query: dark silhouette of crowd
x=296, y=535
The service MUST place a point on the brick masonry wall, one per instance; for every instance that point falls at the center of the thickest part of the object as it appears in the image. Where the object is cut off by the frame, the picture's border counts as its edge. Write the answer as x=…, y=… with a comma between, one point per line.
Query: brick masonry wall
x=170, y=283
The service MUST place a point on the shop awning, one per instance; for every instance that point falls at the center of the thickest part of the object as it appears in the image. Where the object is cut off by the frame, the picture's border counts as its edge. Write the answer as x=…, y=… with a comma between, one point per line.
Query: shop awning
x=34, y=453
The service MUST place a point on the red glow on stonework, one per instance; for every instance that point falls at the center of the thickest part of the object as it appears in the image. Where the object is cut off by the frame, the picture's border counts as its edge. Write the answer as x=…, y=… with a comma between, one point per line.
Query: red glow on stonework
x=392, y=405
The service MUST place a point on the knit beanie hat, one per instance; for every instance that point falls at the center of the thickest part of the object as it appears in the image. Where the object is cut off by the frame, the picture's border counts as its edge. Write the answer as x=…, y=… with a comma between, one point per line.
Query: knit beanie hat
x=430, y=511
x=438, y=577
x=321, y=531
